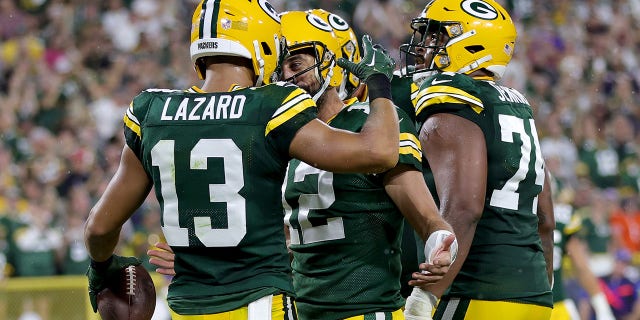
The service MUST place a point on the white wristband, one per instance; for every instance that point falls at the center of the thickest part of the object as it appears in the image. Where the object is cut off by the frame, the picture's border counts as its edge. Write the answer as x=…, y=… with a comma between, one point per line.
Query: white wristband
x=435, y=242
x=601, y=307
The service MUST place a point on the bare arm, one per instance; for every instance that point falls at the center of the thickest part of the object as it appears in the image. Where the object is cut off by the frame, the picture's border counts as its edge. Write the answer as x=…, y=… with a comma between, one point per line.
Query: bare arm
x=410, y=193
x=408, y=190
x=546, y=223
x=579, y=255
x=126, y=191
x=374, y=149
x=456, y=151
x=577, y=252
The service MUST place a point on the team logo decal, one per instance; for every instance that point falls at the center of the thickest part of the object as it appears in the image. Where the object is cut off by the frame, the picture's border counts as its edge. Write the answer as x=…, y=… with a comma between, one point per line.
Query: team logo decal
x=318, y=23
x=337, y=22
x=269, y=9
x=479, y=9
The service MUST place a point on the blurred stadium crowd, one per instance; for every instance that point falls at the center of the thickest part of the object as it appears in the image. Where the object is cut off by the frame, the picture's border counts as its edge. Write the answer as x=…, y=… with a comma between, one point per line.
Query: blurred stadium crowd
x=69, y=68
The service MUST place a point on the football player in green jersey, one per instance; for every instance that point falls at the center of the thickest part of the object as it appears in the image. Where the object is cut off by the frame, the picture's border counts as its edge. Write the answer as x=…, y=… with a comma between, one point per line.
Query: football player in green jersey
x=483, y=159
x=216, y=157
x=345, y=229
x=568, y=243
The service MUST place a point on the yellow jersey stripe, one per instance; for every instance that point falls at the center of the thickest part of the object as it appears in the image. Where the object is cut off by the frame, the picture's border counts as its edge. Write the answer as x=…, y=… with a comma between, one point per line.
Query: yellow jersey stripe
x=294, y=98
x=409, y=144
x=410, y=137
x=131, y=121
x=412, y=151
x=415, y=90
x=446, y=94
x=295, y=103
x=131, y=125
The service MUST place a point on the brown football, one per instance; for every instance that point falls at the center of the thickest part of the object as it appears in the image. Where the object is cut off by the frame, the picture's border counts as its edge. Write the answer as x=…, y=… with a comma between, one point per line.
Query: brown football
x=133, y=297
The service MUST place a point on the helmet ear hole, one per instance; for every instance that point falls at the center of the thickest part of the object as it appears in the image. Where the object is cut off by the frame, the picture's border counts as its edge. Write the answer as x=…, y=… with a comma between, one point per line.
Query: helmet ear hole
x=266, y=49
x=475, y=48
x=201, y=67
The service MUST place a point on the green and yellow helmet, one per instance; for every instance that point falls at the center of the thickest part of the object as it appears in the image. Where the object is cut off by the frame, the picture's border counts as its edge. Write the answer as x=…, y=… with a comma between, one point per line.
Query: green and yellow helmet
x=479, y=35
x=303, y=31
x=240, y=28
x=349, y=48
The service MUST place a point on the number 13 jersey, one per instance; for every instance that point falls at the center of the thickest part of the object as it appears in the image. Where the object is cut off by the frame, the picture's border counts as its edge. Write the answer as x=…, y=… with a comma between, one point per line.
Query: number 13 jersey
x=218, y=161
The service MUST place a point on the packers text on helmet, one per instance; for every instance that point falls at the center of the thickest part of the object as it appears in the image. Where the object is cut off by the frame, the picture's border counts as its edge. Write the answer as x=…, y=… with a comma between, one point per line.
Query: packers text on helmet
x=239, y=28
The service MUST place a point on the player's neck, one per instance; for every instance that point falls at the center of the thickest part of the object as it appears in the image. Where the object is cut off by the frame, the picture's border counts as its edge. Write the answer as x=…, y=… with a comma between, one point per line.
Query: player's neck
x=220, y=77
x=329, y=104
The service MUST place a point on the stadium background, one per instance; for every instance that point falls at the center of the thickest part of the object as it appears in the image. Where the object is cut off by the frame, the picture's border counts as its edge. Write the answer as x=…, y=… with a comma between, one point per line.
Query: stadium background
x=69, y=68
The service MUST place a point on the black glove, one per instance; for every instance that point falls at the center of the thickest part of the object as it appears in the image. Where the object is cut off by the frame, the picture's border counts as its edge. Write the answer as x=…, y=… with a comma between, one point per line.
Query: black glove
x=101, y=274
x=374, y=61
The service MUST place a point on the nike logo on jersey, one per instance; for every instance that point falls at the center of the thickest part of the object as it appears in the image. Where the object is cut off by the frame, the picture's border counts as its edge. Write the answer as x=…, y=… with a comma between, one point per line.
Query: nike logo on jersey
x=436, y=81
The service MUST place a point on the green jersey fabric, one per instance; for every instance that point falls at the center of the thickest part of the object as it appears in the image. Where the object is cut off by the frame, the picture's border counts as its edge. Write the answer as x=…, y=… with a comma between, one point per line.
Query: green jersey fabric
x=218, y=161
x=404, y=91
x=506, y=259
x=345, y=232
x=567, y=225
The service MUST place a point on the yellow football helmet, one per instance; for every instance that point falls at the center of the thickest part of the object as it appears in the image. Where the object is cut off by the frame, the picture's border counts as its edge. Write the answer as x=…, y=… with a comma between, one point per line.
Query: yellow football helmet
x=304, y=30
x=463, y=36
x=348, y=47
x=240, y=28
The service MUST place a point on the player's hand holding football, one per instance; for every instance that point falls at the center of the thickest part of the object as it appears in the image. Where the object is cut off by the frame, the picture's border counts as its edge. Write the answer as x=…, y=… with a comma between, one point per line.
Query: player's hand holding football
x=375, y=61
x=100, y=274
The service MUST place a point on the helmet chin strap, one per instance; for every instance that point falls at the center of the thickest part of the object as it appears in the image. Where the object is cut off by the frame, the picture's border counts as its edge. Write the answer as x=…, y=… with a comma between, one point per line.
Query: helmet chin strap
x=475, y=64
x=342, y=91
x=256, y=48
x=325, y=83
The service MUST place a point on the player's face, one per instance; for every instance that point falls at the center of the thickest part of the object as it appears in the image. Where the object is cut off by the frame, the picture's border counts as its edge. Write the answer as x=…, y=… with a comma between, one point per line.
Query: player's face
x=431, y=42
x=299, y=69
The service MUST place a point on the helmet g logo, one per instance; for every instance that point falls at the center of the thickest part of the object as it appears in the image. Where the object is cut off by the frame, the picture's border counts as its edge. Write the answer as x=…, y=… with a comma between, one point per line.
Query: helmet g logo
x=318, y=22
x=269, y=10
x=479, y=9
x=337, y=22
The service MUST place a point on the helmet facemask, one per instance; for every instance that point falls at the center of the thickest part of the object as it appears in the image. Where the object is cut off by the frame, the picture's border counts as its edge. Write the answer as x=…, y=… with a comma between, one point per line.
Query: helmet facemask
x=480, y=36
x=427, y=50
x=308, y=33
x=324, y=59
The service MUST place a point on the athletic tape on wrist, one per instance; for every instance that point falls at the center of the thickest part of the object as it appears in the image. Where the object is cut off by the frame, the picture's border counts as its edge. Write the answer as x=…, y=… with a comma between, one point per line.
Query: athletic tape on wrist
x=435, y=241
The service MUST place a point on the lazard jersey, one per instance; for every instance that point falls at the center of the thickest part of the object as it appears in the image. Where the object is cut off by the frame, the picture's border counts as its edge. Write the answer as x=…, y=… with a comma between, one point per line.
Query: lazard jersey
x=567, y=225
x=506, y=260
x=218, y=161
x=345, y=232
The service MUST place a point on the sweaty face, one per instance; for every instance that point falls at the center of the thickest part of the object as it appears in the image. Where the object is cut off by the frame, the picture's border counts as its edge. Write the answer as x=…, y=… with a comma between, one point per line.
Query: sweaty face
x=432, y=44
x=299, y=69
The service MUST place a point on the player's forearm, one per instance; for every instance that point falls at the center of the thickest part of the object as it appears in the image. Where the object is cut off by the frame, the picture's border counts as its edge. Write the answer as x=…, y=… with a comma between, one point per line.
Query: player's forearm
x=546, y=224
x=579, y=260
x=464, y=230
x=382, y=132
x=101, y=246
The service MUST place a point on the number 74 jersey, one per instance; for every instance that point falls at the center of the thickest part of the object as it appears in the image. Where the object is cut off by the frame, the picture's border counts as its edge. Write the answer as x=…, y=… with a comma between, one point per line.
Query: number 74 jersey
x=505, y=261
